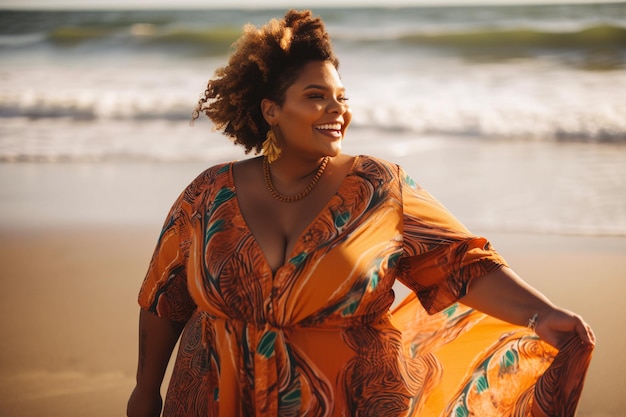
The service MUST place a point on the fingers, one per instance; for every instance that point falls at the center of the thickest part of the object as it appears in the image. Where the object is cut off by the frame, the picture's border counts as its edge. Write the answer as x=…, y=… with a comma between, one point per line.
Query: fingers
x=582, y=329
x=585, y=333
x=556, y=327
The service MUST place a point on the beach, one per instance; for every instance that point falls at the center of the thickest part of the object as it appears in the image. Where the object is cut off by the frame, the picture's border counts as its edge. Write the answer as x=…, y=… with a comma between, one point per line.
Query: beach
x=76, y=239
x=513, y=117
x=69, y=315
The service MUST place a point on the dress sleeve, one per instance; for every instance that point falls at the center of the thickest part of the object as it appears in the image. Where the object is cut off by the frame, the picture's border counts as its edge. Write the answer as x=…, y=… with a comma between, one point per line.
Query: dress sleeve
x=441, y=257
x=164, y=290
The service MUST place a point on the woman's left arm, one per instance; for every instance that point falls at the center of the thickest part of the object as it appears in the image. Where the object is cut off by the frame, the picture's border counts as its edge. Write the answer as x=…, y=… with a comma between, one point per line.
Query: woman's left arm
x=504, y=295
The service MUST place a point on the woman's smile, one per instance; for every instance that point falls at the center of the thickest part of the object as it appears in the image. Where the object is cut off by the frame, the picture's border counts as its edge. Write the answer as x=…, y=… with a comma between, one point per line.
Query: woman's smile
x=315, y=107
x=333, y=130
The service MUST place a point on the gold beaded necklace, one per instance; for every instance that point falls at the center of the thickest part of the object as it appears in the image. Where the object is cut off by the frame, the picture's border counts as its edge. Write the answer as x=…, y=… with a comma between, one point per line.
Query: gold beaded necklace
x=292, y=198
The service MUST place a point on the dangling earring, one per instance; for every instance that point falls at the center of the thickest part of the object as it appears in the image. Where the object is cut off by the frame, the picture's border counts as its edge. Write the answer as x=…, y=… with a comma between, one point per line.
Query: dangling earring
x=270, y=147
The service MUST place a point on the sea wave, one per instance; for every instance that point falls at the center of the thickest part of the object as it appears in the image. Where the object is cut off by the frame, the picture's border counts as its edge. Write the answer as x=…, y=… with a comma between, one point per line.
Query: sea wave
x=597, y=36
x=593, y=47
x=600, y=124
x=604, y=35
x=216, y=40
x=21, y=40
x=209, y=40
x=81, y=106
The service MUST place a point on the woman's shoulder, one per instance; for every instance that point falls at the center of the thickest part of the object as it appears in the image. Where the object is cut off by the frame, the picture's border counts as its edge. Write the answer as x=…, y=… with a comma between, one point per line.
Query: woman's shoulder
x=375, y=166
x=211, y=179
x=215, y=172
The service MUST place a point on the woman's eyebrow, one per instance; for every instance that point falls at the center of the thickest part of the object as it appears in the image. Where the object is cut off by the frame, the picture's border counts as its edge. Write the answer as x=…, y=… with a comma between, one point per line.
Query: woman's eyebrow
x=320, y=87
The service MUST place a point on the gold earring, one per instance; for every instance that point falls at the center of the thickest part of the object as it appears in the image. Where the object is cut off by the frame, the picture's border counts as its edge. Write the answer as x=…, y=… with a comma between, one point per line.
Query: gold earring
x=270, y=147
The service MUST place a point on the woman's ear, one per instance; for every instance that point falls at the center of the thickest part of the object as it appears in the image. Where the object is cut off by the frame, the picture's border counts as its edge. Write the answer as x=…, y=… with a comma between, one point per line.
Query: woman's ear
x=270, y=111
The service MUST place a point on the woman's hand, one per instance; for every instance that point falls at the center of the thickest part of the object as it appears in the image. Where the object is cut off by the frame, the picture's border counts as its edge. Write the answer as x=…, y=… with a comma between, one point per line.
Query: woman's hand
x=556, y=326
x=144, y=403
x=504, y=295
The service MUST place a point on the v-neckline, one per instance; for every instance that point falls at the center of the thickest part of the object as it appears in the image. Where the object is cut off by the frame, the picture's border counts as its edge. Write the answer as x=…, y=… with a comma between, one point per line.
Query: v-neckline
x=312, y=223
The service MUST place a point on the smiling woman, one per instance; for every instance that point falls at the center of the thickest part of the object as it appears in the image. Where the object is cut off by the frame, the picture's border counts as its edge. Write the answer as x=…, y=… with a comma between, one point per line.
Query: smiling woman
x=277, y=272
x=315, y=104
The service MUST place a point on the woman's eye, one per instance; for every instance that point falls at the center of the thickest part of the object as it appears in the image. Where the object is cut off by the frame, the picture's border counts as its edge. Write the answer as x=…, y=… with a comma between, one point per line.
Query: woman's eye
x=321, y=97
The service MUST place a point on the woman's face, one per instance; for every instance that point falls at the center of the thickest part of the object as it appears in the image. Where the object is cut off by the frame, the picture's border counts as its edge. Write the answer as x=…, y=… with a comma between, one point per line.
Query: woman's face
x=314, y=116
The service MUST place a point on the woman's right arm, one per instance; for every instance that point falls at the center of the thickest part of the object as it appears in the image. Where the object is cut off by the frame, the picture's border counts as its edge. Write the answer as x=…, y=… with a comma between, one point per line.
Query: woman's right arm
x=157, y=338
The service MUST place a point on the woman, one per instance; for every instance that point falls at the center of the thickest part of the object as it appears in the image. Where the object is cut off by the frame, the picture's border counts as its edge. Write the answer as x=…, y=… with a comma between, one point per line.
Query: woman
x=278, y=271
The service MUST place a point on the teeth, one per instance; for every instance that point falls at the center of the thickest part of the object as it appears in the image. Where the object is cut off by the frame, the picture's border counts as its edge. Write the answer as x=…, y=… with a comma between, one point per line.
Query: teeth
x=329, y=126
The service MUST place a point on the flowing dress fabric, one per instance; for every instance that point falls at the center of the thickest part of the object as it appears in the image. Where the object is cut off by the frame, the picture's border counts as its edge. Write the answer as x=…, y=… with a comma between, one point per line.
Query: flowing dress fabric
x=316, y=338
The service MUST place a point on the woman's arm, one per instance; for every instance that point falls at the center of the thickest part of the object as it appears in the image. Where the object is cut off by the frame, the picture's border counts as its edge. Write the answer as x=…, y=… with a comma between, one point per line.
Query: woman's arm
x=504, y=295
x=157, y=338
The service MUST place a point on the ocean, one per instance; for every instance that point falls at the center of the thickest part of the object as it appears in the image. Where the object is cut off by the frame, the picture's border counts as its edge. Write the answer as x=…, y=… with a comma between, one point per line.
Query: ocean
x=524, y=105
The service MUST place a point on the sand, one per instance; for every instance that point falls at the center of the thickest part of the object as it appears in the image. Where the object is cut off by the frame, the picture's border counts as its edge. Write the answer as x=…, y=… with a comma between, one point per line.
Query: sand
x=69, y=279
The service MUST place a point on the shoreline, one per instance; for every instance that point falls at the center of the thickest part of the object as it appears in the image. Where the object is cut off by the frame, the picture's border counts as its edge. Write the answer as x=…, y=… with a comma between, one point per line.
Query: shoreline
x=504, y=186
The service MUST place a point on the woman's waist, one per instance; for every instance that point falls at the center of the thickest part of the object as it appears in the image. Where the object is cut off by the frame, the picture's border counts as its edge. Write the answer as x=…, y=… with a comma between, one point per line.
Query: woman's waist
x=327, y=324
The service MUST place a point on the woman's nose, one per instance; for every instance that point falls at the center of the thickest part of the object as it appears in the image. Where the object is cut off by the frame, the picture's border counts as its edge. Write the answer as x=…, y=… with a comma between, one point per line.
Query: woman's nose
x=336, y=106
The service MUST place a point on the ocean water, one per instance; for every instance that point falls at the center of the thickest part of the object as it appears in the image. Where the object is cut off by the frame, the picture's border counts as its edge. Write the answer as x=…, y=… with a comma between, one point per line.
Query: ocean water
x=537, y=93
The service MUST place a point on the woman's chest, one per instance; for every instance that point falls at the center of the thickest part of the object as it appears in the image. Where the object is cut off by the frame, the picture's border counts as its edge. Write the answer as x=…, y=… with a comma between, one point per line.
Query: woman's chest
x=342, y=261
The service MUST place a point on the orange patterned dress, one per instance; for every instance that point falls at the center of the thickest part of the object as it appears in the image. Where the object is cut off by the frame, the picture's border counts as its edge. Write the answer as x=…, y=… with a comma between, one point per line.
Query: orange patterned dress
x=316, y=338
